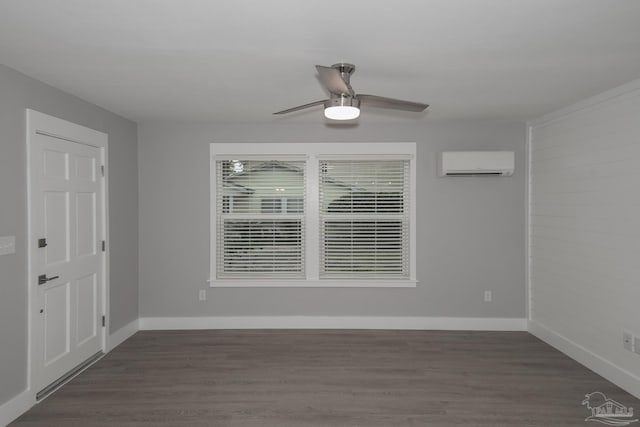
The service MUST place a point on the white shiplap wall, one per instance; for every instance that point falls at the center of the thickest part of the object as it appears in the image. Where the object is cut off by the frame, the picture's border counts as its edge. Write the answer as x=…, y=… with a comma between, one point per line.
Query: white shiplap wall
x=584, y=241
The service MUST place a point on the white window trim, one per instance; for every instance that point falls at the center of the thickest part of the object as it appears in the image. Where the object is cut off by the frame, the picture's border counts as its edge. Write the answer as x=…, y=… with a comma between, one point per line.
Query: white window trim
x=357, y=151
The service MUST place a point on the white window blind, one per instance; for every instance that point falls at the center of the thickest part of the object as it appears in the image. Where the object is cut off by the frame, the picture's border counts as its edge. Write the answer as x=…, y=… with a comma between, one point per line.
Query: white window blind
x=260, y=218
x=364, y=218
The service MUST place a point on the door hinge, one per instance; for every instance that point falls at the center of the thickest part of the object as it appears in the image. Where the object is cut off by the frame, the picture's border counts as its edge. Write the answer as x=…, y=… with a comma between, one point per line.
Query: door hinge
x=104, y=321
x=104, y=246
x=102, y=169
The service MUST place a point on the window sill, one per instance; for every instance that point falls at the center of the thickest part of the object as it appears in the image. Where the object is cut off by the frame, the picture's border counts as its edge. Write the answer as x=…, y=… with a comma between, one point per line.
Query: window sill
x=297, y=283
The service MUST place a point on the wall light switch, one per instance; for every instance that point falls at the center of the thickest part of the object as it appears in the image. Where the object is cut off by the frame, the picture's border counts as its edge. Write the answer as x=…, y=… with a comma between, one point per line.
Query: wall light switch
x=7, y=245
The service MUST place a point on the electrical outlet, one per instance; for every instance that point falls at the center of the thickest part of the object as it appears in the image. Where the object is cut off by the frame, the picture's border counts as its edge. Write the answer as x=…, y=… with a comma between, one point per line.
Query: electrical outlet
x=202, y=295
x=636, y=345
x=7, y=245
x=627, y=340
x=488, y=297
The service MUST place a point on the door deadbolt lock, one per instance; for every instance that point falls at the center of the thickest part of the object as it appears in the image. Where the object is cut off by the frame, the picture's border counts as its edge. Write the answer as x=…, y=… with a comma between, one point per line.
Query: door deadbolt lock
x=42, y=279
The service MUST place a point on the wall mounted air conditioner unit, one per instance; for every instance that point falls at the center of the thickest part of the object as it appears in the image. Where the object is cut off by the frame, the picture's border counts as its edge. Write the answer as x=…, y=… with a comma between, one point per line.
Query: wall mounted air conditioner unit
x=476, y=163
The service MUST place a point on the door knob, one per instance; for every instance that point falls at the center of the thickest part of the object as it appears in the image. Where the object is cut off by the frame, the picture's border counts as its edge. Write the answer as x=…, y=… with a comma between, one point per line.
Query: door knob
x=42, y=279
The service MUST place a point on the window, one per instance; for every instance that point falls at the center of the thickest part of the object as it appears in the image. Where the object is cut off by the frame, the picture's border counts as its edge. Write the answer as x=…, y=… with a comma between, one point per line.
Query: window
x=364, y=218
x=256, y=237
x=316, y=214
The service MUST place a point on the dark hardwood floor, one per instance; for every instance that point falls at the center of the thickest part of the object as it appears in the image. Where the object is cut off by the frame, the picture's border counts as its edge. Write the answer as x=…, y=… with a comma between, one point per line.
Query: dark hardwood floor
x=327, y=378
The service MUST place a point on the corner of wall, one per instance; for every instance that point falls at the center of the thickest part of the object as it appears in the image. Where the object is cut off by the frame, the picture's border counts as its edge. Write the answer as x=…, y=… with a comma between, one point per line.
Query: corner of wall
x=15, y=407
x=121, y=335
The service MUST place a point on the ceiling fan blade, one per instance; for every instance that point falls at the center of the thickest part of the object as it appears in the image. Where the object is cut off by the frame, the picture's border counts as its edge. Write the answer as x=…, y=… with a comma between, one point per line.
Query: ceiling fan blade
x=302, y=107
x=332, y=80
x=396, y=104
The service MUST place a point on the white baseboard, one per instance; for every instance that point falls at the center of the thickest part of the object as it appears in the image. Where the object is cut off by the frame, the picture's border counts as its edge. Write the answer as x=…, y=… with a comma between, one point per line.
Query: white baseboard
x=614, y=373
x=330, y=322
x=15, y=407
x=122, y=334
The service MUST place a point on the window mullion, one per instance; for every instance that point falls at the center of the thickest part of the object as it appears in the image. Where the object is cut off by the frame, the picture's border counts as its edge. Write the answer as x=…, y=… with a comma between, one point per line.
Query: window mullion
x=312, y=223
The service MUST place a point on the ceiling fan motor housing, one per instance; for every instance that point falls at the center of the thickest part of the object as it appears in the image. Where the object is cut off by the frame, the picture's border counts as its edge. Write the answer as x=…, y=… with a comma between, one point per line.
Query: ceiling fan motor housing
x=342, y=101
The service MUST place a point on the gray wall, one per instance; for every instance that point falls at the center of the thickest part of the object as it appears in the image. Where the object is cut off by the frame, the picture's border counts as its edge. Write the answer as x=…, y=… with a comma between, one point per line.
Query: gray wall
x=471, y=231
x=18, y=92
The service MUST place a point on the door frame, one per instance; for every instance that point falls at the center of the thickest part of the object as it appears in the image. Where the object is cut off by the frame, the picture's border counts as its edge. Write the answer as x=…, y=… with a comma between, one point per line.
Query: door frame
x=39, y=123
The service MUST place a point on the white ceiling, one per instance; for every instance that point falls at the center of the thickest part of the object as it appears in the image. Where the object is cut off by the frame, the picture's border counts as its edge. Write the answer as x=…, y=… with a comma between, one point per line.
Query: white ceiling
x=241, y=60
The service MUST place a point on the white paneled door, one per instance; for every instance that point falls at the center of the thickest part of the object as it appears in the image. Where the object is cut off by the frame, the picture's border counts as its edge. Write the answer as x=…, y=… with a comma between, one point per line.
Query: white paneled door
x=67, y=261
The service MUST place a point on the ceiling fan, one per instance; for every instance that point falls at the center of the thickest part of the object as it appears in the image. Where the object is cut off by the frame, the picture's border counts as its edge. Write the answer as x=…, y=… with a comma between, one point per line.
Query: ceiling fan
x=344, y=103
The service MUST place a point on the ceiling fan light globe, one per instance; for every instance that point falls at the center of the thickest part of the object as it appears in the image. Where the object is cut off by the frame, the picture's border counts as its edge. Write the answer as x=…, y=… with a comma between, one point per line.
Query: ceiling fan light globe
x=341, y=112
